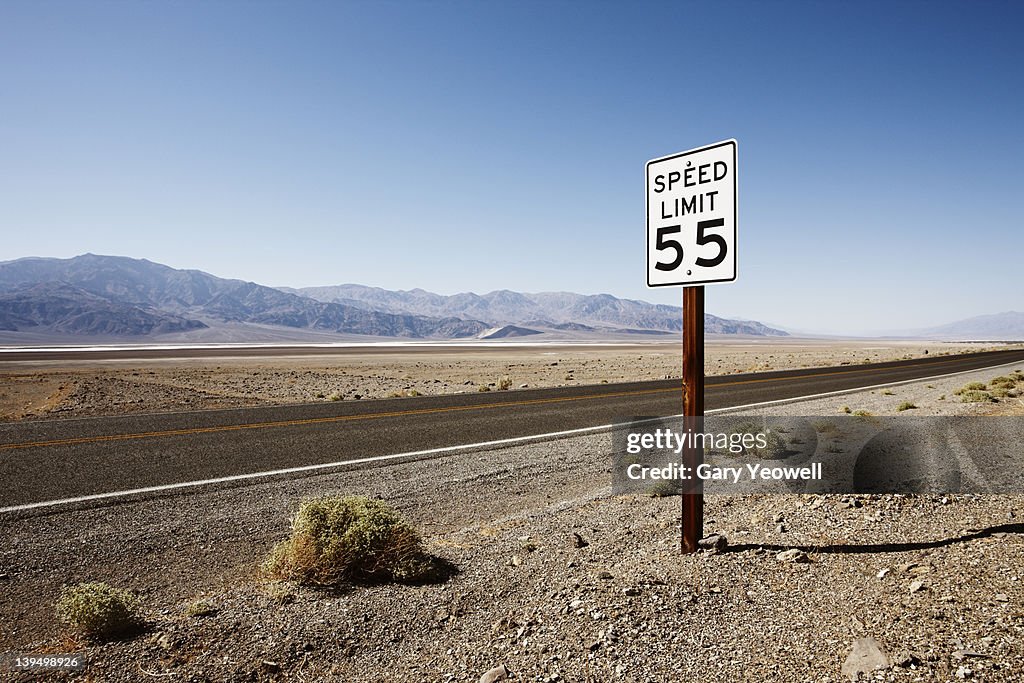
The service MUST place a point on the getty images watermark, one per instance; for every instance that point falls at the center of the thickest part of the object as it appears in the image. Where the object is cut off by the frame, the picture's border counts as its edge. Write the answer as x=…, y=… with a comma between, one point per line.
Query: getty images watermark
x=668, y=440
x=830, y=454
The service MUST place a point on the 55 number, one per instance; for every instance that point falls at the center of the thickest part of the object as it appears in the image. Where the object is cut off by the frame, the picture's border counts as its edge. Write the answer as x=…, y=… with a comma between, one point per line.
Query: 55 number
x=663, y=242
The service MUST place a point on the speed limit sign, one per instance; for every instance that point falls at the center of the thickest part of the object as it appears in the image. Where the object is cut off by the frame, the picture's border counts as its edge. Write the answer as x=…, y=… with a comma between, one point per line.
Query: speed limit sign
x=691, y=217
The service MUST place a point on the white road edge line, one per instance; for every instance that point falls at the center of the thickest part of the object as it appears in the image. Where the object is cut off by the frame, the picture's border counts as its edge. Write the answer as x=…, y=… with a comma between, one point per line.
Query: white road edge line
x=321, y=466
x=451, y=449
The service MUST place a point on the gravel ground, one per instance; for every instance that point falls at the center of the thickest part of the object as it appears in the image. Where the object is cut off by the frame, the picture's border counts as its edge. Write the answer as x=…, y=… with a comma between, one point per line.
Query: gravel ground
x=931, y=397
x=934, y=579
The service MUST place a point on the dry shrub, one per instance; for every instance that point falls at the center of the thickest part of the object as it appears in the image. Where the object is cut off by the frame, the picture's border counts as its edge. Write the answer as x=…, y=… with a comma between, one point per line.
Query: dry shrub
x=975, y=396
x=349, y=539
x=99, y=611
x=970, y=386
x=663, y=488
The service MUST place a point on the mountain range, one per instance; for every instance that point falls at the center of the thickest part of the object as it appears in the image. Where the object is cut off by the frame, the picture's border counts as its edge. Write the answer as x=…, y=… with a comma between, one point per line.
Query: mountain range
x=550, y=310
x=113, y=297
x=119, y=297
x=122, y=297
x=1007, y=326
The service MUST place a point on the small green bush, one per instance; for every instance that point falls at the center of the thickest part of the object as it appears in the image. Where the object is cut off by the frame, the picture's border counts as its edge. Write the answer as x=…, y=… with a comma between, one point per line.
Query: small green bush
x=846, y=409
x=351, y=538
x=99, y=611
x=1003, y=381
x=483, y=387
x=972, y=386
x=905, y=405
x=664, y=488
x=405, y=393
x=886, y=392
x=774, y=449
x=505, y=383
x=975, y=396
x=775, y=444
x=823, y=427
x=201, y=608
x=862, y=413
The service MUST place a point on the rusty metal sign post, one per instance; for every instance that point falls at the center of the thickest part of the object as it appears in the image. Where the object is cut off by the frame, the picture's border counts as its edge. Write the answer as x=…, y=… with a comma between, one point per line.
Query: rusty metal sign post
x=693, y=410
x=692, y=214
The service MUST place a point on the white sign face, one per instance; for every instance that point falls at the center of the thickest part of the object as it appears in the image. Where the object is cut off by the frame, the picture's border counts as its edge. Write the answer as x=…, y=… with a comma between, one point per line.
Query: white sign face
x=691, y=217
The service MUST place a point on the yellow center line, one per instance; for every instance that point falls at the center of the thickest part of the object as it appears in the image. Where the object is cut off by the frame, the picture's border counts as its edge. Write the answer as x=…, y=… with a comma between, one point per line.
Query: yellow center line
x=420, y=411
x=316, y=420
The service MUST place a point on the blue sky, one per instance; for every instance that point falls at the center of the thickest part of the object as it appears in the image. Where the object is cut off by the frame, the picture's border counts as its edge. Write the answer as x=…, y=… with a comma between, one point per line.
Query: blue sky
x=481, y=145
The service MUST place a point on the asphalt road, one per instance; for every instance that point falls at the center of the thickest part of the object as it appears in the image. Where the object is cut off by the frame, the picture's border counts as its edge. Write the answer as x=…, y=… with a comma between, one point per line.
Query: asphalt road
x=61, y=459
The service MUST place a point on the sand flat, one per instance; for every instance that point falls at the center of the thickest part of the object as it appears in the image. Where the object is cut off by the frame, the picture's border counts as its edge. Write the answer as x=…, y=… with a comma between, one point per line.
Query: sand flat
x=52, y=389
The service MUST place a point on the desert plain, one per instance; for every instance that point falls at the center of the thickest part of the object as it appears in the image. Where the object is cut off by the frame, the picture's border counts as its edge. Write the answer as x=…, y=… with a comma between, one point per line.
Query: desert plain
x=55, y=389
x=554, y=578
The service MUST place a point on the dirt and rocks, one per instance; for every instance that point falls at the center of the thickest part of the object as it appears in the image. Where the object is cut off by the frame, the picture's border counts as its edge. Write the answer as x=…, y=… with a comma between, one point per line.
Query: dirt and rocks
x=554, y=578
x=43, y=390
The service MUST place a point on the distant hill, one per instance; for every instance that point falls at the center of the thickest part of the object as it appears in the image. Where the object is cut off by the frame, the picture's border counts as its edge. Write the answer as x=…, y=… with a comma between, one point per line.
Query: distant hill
x=508, y=331
x=113, y=295
x=556, y=310
x=1008, y=326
